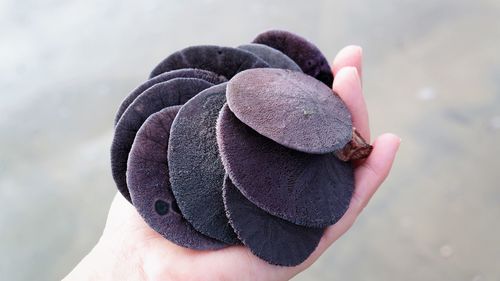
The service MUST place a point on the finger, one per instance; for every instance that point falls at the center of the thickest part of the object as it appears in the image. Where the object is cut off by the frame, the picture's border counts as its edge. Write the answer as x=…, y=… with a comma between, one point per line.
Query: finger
x=348, y=86
x=373, y=171
x=368, y=178
x=349, y=56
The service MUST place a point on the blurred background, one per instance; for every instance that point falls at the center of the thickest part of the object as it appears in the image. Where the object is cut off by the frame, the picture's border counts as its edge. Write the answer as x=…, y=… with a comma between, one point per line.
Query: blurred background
x=431, y=75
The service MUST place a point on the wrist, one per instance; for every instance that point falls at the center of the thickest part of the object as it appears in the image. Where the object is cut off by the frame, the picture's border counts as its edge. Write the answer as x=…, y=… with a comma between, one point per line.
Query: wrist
x=108, y=261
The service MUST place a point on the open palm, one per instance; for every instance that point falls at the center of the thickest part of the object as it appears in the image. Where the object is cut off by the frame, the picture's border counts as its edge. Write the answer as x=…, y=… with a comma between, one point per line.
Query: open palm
x=130, y=250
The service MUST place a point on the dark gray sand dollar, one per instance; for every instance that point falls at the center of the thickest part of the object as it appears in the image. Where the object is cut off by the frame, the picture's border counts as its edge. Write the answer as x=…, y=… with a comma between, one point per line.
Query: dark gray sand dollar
x=272, y=239
x=196, y=171
x=303, y=52
x=307, y=189
x=273, y=57
x=173, y=92
x=291, y=108
x=225, y=61
x=149, y=186
x=178, y=73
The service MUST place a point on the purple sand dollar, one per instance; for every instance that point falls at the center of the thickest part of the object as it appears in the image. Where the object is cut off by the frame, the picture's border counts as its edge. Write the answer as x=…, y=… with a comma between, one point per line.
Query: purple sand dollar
x=272, y=239
x=178, y=73
x=196, y=171
x=311, y=190
x=303, y=52
x=271, y=56
x=291, y=108
x=173, y=92
x=225, y=61
x=149, y=186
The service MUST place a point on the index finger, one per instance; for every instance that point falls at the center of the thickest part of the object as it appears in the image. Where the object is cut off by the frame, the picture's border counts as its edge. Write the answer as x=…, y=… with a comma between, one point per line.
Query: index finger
x=349, y=56
x=347, y=84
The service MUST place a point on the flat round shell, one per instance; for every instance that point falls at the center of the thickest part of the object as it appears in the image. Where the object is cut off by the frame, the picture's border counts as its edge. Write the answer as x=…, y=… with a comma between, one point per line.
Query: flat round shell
x=274, y=240
x=178, y=73
x=196, y=171
x=148, y=181
x=290, y=108
x=273, y=57
x=306, y=189
x=304, y=53
x=224, y=61
x=173, y=92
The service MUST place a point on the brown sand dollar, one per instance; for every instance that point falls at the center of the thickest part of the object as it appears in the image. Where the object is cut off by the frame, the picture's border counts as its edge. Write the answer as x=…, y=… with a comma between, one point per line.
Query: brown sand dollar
x=291, y=108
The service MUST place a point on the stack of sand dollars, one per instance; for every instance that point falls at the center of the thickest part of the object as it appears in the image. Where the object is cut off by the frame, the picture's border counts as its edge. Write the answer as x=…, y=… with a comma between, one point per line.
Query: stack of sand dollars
x=249, y=145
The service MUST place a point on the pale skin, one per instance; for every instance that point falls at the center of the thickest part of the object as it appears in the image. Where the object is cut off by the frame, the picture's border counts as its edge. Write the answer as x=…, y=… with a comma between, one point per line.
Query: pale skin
x=130, y=250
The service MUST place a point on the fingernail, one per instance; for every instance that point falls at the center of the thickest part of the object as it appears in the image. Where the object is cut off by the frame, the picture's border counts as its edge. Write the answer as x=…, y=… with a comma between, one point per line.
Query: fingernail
x=360, y=49
x=349, y=69
x=355, y=73
x=349, y=75
x=354, y=46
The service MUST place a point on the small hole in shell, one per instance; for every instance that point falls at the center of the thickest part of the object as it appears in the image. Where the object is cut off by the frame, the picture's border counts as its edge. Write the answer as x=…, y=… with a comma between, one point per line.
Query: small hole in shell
x=175, y=207
x=161, y=207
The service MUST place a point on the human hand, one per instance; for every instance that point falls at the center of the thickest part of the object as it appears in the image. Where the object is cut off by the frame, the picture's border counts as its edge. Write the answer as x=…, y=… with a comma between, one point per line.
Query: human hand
x=130, y=250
